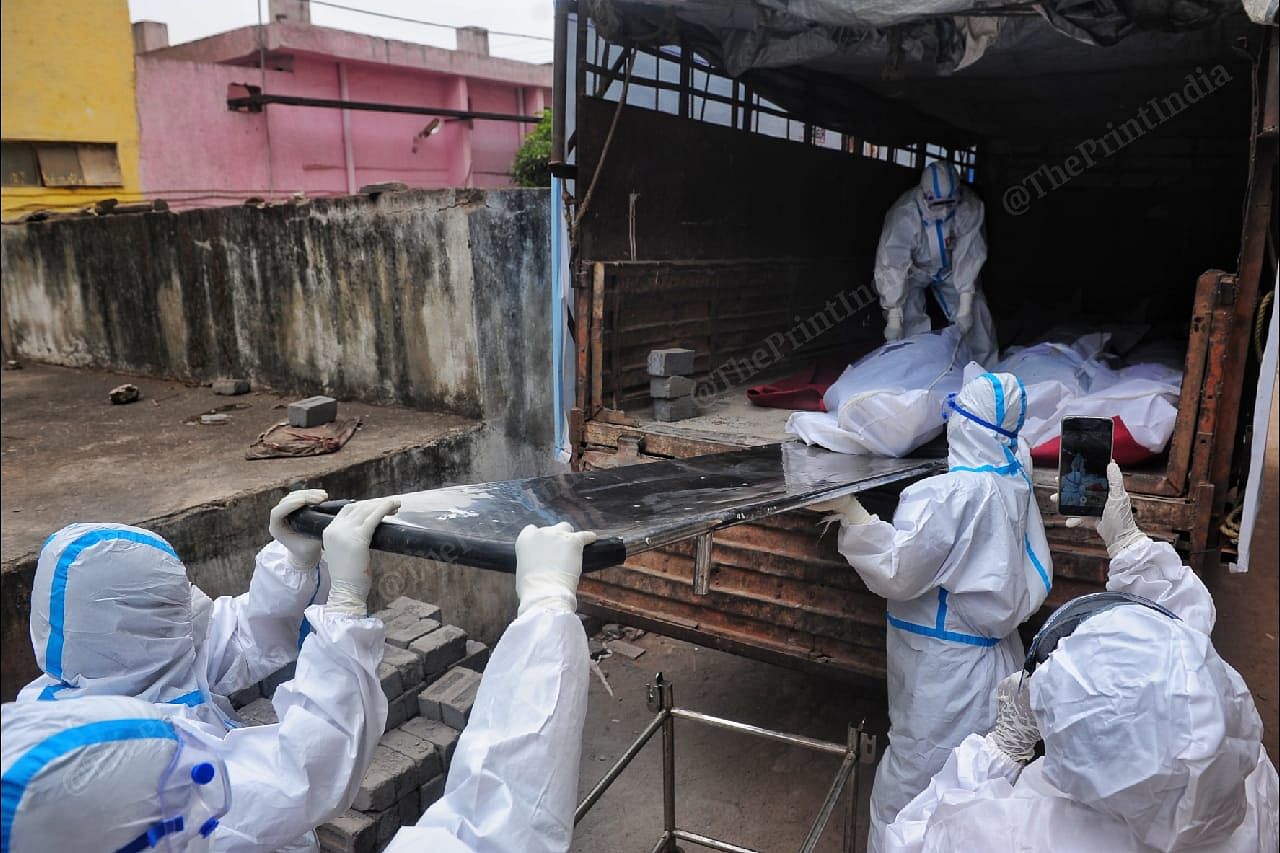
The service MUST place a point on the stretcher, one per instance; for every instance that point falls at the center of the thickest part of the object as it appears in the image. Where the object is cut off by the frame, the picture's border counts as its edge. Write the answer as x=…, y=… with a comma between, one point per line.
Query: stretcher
x=632, y=508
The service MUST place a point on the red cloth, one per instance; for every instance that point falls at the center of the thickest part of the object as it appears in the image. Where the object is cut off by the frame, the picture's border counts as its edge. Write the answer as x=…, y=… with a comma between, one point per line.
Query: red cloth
x=802, y=390
x=1124, y=449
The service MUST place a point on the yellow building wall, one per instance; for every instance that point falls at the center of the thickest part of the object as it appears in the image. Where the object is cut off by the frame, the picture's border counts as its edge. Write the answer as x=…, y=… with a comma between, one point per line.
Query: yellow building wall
x=68, y=77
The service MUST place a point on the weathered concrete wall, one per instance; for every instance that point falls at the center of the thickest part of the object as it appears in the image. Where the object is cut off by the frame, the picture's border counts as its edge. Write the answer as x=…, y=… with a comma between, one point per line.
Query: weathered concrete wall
x=431, y=299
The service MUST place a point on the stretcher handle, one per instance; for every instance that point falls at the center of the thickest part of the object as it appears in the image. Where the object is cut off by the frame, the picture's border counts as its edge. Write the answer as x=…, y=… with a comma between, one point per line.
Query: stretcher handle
x=460, y=549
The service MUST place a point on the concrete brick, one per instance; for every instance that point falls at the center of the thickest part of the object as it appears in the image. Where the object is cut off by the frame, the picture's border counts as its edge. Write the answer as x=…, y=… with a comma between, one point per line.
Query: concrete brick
x=440, y=649
x=349, y=832
x=259, y=712
x=313, y=411
x=388, y=825
x=402, y=708
x=231, y=387
x=437, y=733
x=674, y=410
x=403, y=628
x=383, y=781
x=671, y=362
x=410, y=808
x=275, y=679
x=389, y=679
x=407, y=663
x=423, y=610
x=426, y=758
x=669, y=387
x=449, y=699
x=243, y=697
x=477, y=656
x=430, y=792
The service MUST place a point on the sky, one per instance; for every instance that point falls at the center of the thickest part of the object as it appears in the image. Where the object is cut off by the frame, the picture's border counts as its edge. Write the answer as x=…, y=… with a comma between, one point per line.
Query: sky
x=193, y=19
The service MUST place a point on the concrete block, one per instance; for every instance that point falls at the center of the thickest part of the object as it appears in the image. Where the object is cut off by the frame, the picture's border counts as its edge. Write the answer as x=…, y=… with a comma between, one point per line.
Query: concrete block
x=259, y=712
x=670, y=387
x=477, y=656
x=313, y=411
x=389, y=679
x=403, y=628
x=430, y=792
x=408, y=668
x=440, y=649
x=423, y=753
x=243, y=697
x=349, y=832
x=402, y=708
x=231, y=387
x=384, y=781
x=443, y=738
x=409, y=809
x=674, y=410
x=671, y=362
x=275, y=679
x=423, y=610
x=388, y=825
x=449, y=698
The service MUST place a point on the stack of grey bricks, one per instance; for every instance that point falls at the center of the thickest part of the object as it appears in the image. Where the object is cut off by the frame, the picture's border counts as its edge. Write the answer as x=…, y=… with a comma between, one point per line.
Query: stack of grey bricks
x=430, y=673
x=670, y=384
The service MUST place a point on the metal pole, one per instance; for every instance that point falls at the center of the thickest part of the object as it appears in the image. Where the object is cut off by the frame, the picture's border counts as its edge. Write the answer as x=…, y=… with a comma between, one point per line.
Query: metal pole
x=660, y=699
x=711, y=843
x=744, y=728
x=848, y=766
x=559, y=76
x=598, y=791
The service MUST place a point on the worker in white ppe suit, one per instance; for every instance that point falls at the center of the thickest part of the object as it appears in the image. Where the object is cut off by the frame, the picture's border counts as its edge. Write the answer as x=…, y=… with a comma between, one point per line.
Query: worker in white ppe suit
x=964, y=562
x=1151, y=740
x=108, y=773
x=513, y=783
x=932, y=240
x=112, y=610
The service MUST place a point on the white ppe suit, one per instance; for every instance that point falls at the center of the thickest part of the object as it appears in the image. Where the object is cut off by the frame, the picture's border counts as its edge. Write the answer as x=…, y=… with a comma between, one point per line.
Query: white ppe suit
x=932, y=240
x=513, y=783
x=964, y=562
x=112, y=612
x=1152, y=741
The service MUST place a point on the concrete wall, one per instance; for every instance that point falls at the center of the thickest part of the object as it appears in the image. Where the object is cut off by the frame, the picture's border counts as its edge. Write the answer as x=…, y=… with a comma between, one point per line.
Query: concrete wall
x=429, y=299
x=68, y=77
x=196, y=152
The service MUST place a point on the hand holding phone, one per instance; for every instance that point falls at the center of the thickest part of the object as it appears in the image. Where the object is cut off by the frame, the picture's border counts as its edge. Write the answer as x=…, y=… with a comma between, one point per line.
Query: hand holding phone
x=1083, y=455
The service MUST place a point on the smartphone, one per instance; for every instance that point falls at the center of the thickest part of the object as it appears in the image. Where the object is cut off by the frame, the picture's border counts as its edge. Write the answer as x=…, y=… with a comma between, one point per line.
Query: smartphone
x=1083, y=455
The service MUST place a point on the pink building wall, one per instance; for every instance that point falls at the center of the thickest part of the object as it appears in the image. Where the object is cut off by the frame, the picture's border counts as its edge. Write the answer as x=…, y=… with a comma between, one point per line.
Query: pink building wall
x=195, y=152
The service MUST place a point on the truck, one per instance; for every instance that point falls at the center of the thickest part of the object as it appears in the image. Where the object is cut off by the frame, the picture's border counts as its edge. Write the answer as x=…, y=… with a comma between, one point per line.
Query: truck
x=722, y=174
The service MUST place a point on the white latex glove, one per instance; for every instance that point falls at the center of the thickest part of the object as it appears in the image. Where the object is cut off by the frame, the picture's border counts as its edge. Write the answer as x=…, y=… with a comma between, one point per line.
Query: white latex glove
x=304, y=552
x=1016, y=732
x=346, y=551
x=964, y=314
x=548, y=565
x=893, y=324
x=847, y=509
x=1117, y=526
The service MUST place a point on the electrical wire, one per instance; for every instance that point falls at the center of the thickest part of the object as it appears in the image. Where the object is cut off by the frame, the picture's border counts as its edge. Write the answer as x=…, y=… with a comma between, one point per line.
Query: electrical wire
x=391, y=17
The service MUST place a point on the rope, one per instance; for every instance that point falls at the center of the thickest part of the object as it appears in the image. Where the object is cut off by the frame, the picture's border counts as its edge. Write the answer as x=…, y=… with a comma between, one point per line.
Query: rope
x=1260, y=325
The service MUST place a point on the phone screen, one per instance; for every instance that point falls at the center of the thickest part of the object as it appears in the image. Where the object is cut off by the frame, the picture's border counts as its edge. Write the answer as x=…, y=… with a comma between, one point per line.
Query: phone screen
x=1082, y=465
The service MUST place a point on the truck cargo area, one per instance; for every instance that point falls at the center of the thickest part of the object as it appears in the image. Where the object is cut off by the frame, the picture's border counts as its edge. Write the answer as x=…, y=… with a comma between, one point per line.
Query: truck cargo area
x=719, y=200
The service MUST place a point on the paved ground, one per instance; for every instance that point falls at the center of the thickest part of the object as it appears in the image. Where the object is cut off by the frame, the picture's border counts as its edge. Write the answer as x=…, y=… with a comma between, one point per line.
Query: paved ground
x=69, y=454
x=740, y=789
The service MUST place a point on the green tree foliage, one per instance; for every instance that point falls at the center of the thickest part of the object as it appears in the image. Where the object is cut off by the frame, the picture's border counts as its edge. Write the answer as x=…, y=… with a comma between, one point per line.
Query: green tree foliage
x=531, y=168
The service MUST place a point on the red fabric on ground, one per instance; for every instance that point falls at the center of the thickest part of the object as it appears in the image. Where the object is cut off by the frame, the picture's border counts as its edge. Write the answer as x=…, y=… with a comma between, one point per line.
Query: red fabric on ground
x=1124, y=449
x=802, y=390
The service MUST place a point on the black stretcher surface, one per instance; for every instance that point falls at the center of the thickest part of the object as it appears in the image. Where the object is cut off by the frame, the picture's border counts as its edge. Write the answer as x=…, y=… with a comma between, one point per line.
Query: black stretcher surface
x=632, y=509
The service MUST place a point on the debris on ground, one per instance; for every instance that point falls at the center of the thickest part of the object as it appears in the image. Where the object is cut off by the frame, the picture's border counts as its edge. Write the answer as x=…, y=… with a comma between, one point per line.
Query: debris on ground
x=217, y=410
x=313, y=411
x=231, y=387
x=215, y=419
x=625, y=649
x=126, y=393
x=283, y=441
x=596, y=649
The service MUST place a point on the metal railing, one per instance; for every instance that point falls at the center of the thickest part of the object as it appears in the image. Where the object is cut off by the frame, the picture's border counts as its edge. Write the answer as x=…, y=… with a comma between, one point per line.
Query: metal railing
x=858, y=755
